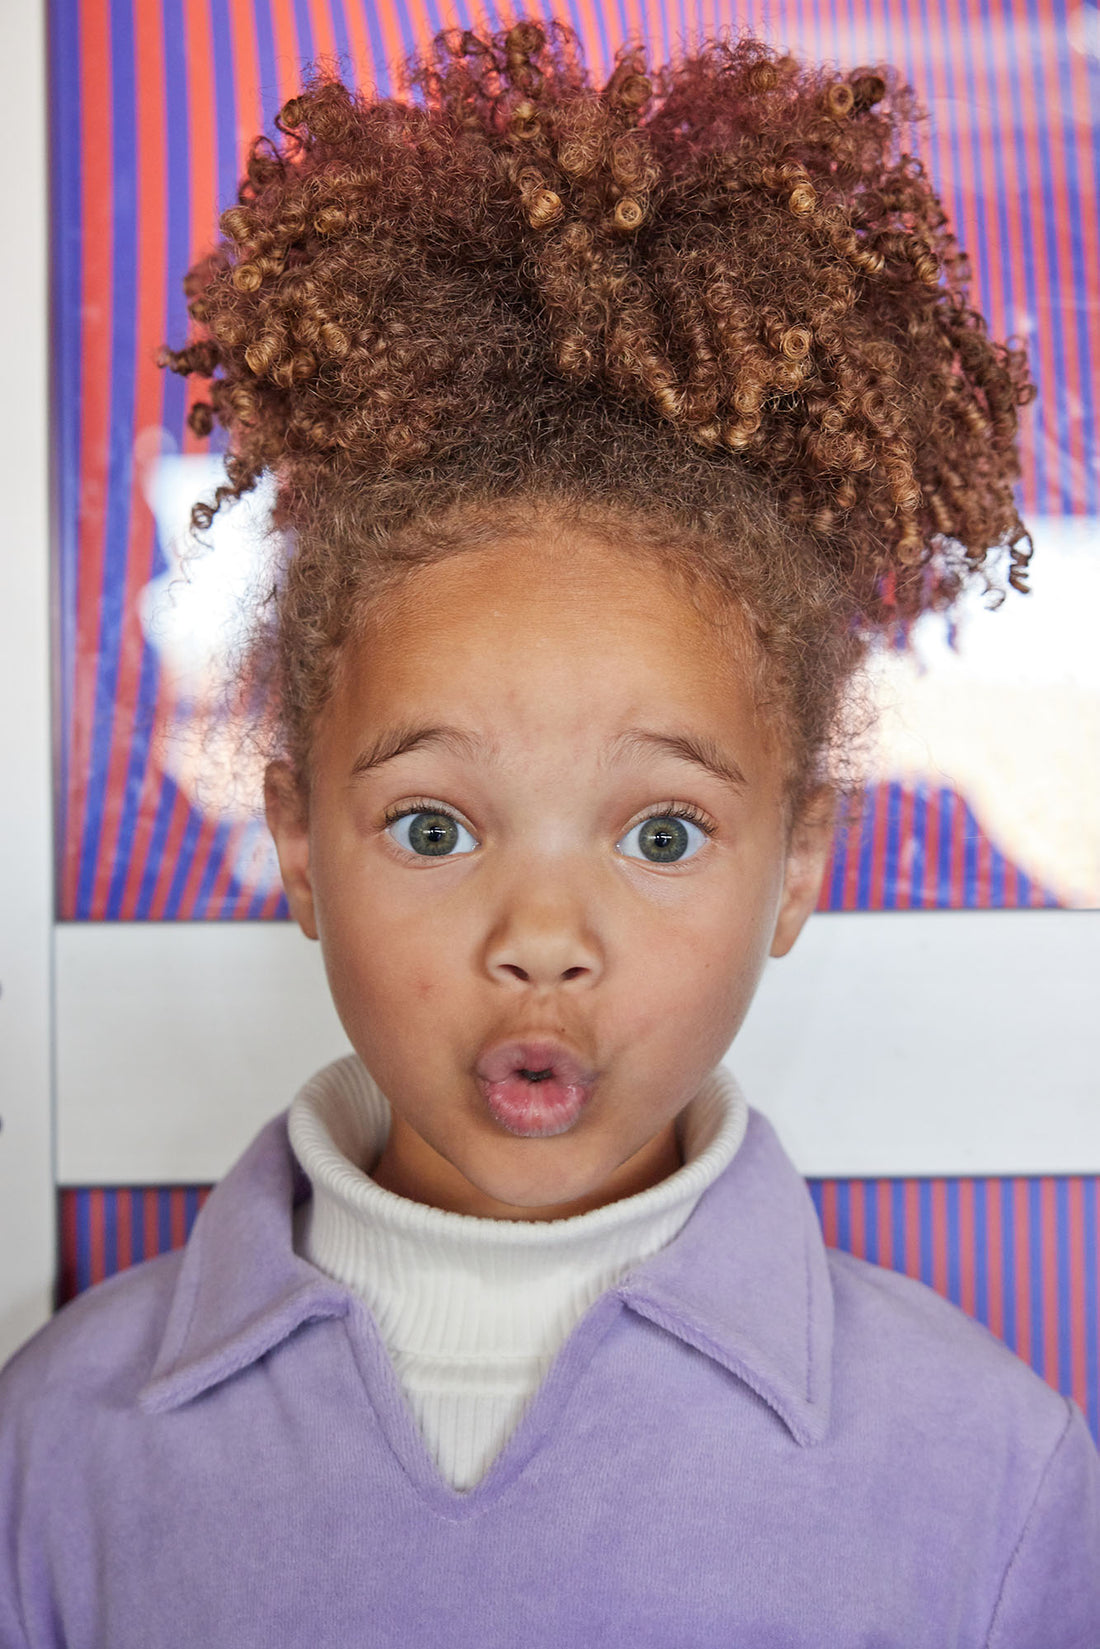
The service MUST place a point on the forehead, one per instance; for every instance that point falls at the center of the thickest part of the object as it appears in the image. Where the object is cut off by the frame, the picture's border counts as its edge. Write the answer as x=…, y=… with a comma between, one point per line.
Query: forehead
x=533, y=638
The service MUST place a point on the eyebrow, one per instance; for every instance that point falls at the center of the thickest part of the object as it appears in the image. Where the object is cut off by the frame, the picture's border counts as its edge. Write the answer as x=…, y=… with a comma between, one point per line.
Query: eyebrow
x=396, y=741
x=701, y=751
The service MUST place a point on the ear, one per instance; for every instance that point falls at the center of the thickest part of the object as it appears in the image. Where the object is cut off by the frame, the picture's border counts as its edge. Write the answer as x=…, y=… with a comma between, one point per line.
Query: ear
x=288, y=821
x=811, y=838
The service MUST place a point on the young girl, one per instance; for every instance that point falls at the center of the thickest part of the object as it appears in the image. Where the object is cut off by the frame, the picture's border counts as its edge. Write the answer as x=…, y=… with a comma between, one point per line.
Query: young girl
x=609, y=430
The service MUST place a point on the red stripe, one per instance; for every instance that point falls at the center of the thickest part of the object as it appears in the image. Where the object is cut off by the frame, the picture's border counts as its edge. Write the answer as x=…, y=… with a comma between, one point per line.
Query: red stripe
x=995, y=1255
x=911, y=1203
x=167, y=866
x=983, y=884
x=1030, y=113
x=1023, y=1269
x=884, y=1254
x=364, y=70
x=968, y=1292
x=930, y=880
x=246, y=77
x=958, y=827
x=1049, y=1251
x=151, y=787
x=877, y=889
x=1068, y=388
x=149, y=1222
x=70, y=1244
x=97, y=244
x=939, y=1237
x=177, y=1217
x=829, y=1212
x=203, y=138
x=324, y=41
x=96, y=1263
x=284, y=30
x=124, y=1226
x=1082, y=116
x=270, y=904
x=857, y=1202
x=219, y=888
x=853, y=838
x=1075, y=1263
x=151, y=167
x=906, y=894
x=197, y=868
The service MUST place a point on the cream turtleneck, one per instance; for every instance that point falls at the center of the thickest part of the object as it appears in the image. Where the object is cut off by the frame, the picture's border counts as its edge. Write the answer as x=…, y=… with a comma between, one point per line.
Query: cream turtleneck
x=474, y=1310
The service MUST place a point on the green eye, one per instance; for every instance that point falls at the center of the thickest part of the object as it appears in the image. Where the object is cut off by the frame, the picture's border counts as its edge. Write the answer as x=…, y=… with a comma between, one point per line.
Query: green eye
x=430, y=834
x=664, y=838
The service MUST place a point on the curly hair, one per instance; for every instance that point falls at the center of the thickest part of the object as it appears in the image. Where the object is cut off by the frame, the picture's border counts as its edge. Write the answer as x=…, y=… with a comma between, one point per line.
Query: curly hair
x=713, y=306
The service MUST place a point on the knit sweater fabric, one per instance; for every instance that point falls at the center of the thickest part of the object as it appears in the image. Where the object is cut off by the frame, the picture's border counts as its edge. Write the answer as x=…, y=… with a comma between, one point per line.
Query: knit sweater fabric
x=473, y=1310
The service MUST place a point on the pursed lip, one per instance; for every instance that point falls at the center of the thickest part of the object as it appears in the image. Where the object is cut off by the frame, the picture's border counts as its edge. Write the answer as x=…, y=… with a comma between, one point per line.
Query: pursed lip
x=536, y=1053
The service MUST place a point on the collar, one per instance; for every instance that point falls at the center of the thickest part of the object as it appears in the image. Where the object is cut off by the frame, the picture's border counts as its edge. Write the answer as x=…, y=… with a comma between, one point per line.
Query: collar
x=745, y=1281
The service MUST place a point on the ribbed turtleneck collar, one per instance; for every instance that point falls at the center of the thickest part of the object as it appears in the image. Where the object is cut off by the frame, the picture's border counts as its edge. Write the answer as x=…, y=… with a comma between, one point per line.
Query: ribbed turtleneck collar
x=443, y=1283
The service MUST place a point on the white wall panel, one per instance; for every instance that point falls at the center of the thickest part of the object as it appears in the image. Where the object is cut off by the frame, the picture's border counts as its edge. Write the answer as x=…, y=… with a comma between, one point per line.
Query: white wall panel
x=909, y=1043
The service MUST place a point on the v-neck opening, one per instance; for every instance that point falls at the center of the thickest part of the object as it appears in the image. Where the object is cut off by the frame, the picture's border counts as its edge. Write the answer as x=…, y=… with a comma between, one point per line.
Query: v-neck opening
x=407, y=1443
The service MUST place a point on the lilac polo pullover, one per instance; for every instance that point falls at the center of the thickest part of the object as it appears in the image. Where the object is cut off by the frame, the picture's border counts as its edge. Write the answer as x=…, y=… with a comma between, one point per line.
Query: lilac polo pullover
x=748, y=1442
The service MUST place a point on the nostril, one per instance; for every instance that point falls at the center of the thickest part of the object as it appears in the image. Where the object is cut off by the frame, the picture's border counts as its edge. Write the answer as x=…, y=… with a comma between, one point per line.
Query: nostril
x=571, y=973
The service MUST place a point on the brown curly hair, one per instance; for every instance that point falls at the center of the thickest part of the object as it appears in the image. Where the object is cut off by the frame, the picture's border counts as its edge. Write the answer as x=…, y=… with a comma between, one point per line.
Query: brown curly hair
x=715, y=307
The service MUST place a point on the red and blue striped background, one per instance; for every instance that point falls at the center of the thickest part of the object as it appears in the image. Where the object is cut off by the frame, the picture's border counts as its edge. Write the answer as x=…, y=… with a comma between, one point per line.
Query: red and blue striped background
x=1018, y=1254
x=153, y=104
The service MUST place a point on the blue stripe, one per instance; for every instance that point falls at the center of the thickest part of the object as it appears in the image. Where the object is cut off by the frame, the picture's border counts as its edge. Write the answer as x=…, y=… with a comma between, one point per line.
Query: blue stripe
x=924, y=1203
x=1008, y=1260
x=116, y=521
x=266, y=61
x=110, y=1233
x=164, y=1219
x=954, y=1245
x=83, y=1267
x=305, y=31
x=1053, y=120
x=1065, y=1322
x=137, y=1223
x=177, y=128
x=184, y=858
x=1035, y=1277
x=1012, y=130
x=172, y=94
x=919, y=839
x=864, y=847
x=897, y=1209
x=893, y=847
x=225, y=105
x=1092, y=1308
x=981, y=1250
x=154, y=859
x=66, y=248
x=844, y=1214
x=215, y=858
x=342, y=41
x=870, y=1219
x=946, y=802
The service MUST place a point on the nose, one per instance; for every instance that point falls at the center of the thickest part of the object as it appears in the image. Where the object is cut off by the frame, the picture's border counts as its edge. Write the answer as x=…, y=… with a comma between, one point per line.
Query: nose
x=544, y=942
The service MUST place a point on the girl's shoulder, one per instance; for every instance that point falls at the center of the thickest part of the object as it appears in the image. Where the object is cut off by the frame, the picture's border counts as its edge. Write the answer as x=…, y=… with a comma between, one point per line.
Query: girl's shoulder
x=100, y=1344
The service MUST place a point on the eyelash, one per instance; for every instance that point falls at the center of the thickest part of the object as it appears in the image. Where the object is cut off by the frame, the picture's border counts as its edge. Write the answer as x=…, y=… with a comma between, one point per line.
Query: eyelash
x=667, y=810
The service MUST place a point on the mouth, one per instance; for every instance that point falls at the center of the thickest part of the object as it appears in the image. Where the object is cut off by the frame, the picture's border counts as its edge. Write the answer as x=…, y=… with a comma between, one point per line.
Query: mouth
x=534, y=1089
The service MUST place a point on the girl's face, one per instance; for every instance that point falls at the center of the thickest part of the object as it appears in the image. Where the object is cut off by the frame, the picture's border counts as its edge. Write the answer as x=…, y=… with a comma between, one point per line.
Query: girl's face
x=542, y=811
